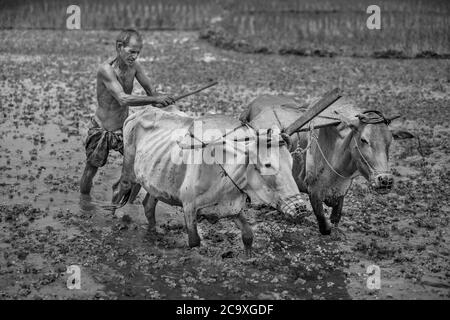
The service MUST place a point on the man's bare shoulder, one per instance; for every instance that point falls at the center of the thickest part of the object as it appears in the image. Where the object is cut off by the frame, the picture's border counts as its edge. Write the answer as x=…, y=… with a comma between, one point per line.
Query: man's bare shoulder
x=105, y=69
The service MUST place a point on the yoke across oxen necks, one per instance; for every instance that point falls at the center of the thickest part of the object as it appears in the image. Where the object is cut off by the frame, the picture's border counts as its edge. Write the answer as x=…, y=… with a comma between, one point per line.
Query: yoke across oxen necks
x=196, y=139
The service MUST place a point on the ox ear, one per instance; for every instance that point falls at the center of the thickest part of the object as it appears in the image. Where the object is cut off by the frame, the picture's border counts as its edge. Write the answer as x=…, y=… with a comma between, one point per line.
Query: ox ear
x=401, y=134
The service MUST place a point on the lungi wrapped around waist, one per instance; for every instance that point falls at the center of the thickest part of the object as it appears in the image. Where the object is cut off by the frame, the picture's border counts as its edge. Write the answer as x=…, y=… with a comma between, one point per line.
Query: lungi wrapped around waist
x=99, y=142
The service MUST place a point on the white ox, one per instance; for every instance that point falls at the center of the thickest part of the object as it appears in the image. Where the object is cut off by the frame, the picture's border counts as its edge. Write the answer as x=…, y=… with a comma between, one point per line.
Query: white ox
x=150, y=148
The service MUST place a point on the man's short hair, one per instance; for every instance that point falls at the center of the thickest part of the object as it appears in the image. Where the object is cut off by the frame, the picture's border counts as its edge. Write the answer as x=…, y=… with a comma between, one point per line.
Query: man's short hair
x=125, y=36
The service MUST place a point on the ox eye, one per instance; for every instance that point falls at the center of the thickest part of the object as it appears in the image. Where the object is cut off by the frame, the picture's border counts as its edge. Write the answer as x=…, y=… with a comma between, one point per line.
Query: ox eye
x=364, y=141
x=267, y=165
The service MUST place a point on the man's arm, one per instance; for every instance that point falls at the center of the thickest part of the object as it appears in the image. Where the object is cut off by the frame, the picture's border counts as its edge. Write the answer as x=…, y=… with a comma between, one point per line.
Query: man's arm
x=143, y=79
x=107, y=75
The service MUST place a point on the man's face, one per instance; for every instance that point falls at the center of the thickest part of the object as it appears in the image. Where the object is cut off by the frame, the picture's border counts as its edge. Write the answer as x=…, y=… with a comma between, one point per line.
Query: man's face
x=130, y=52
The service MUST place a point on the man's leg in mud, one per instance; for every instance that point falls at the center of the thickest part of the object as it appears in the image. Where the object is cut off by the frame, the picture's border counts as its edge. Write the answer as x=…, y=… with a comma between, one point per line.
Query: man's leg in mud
x=86, y=178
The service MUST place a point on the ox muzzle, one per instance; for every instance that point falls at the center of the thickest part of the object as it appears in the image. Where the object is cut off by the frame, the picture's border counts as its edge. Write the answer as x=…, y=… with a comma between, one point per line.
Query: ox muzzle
x=294, y=207
x=382, y=183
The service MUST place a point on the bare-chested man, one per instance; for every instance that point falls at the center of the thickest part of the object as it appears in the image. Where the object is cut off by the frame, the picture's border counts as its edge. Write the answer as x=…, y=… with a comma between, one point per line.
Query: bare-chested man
x=115, y=79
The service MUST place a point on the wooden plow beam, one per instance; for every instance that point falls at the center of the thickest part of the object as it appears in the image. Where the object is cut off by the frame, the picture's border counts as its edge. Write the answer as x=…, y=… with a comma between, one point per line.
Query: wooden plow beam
x=315, y=109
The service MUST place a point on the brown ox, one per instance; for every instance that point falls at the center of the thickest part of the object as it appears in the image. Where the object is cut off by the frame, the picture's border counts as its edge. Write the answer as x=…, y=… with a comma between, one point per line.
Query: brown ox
x=327, y=159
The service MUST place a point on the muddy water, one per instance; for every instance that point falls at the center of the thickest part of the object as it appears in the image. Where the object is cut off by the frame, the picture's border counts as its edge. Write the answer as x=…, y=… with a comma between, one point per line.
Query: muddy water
x=45, y=226
x=119, y=259
x=42, y=160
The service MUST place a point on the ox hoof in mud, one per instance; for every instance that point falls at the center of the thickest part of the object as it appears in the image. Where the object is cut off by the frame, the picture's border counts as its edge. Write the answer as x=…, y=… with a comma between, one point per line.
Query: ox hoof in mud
x=335, y=218
x=121, y=191
x=247, y=233
x=325, y=228
x=248, y=250
x=193, y=239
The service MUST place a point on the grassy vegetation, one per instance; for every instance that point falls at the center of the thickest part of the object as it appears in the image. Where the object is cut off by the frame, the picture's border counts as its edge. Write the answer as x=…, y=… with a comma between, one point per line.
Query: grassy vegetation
x=328, y=28
x=410, y=28
x=109, y=14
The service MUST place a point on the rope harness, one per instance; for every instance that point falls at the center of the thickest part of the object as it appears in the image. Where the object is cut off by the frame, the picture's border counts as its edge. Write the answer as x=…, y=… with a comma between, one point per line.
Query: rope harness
x=203, y=145
x=224, y=172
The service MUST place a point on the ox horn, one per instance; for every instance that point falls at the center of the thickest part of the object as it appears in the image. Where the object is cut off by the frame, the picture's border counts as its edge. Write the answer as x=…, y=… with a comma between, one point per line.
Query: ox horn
x=328, y=99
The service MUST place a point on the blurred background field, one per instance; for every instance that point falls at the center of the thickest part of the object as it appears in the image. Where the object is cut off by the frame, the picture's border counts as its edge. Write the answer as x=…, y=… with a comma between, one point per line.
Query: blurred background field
x=409, y=28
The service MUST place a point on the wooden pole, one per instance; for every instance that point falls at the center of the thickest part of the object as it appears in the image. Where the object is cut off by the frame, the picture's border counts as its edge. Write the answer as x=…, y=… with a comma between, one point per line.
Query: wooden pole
x=328, y=99
x=196, y=91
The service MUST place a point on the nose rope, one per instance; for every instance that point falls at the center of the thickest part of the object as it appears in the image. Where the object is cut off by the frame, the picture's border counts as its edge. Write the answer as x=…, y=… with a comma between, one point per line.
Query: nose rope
x=367, y=162
x=362, y=156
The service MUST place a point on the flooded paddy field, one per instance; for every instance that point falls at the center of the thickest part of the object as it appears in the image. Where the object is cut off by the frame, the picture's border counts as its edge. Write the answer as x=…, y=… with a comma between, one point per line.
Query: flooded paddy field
x=47, y=97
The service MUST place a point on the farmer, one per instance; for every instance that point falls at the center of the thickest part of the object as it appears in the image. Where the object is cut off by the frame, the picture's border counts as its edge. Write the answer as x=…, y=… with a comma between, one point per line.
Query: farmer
x=115, y=79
